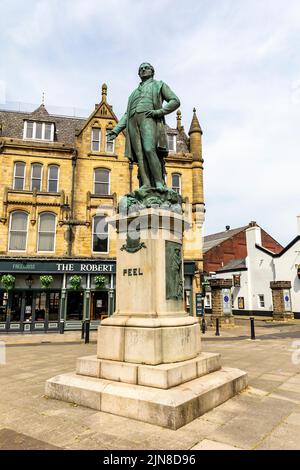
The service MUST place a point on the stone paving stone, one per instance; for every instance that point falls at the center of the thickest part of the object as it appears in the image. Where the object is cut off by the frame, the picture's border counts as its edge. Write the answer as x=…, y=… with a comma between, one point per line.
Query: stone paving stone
x=294, y=418
x=206, y=444
x=24, y=407
x=284, y=437
x=11, y=440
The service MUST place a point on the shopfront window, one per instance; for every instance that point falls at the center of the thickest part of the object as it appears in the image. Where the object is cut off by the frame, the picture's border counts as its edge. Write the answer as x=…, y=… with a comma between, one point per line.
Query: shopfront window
x=16, y=306
x=54, y=302
x=3, y=305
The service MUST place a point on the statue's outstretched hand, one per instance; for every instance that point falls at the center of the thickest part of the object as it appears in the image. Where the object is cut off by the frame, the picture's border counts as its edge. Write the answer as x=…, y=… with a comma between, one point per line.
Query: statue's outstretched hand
x=111, y=135
x=154, y=113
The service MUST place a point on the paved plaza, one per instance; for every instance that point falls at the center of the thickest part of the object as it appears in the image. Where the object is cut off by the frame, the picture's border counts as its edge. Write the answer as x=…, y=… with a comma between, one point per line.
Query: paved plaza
x=265, y=416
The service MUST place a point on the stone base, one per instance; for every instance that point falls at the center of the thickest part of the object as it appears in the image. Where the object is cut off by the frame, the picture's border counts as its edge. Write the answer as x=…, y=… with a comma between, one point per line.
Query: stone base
x=162, y=376
x=170, y=408
x=224, y=320
x=150, y=341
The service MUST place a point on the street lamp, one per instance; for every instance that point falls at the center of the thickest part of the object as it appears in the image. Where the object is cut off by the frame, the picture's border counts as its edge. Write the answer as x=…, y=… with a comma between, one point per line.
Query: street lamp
x=29, y=281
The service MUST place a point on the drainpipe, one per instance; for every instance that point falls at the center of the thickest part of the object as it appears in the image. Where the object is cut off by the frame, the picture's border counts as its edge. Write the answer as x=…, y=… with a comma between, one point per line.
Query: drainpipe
x=130, y=176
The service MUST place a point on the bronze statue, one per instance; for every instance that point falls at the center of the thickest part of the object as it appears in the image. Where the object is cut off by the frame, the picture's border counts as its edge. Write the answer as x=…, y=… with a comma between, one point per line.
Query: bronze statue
x=146, y=138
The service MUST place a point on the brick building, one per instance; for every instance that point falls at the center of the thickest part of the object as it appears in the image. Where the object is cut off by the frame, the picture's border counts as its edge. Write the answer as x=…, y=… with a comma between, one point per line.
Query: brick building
x=60, y=179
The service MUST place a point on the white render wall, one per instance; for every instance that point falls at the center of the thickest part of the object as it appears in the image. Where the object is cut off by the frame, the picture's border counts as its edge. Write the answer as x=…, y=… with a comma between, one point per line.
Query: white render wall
x=262, y=268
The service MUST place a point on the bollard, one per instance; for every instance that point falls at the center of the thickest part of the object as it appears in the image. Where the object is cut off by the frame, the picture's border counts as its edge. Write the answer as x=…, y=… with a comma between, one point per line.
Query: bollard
x=61, y=327
x=87, y=331
x=82, y=329
x=252, y=327
x=217, y=327
x=203, y=325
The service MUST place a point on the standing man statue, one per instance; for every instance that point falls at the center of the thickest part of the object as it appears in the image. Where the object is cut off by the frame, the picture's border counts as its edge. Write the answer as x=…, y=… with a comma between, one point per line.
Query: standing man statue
x=146, y=138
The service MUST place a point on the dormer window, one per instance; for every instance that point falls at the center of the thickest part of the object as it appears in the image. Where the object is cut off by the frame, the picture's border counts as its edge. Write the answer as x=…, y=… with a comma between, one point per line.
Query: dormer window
x=38, y=130
x=172, y=142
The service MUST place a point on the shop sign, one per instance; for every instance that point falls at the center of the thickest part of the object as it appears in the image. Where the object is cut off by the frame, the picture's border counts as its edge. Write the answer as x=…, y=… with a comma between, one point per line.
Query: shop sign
x=199, y=304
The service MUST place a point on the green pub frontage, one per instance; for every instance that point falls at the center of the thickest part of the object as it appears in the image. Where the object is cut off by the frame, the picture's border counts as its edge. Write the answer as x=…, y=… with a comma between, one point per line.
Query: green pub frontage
x=39, y=295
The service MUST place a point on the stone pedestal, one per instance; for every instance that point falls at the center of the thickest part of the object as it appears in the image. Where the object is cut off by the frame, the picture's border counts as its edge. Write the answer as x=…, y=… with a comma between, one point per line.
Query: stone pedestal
x=221, y=302
x=149, y=365
x=281, y=296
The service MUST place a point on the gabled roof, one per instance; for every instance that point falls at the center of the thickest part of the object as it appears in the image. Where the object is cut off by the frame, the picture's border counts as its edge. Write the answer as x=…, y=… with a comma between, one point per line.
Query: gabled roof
x=234, y=265
x=215, y=239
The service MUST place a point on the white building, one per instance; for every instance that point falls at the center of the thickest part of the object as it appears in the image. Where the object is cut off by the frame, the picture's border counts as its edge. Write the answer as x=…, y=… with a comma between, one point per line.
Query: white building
x=251, y=291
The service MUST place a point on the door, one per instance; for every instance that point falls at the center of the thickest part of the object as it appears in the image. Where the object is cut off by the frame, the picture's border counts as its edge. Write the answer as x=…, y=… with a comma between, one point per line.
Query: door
x=40, y=310
x=99, y=305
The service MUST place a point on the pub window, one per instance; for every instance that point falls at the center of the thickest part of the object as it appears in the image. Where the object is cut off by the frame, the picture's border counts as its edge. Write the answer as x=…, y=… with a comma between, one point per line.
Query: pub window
x=54, y=302
x=172, y=142
x=19, y=175
x=38, y=130
x=36, y=177
x=176, y=183
x=109, y=146
x=53, y=171
x=46, y=232
x=101, y=181
x=18, y=231
x=96, y=138
x=100, y=234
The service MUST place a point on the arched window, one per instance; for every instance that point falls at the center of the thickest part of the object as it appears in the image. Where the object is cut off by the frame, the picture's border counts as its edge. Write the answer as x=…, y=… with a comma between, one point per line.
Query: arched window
x=101, y=181
x=100, y=234
x=36, y=176
x=172, y=143
x=46, y=232
x=53, y=171
x=176, y=182
x=18, y=231
x=19, y=175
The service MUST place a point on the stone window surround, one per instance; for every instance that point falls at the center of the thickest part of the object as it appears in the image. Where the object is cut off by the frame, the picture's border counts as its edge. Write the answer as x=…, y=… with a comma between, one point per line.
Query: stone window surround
x=11, y=215
x=38, y=237
x=93, y=232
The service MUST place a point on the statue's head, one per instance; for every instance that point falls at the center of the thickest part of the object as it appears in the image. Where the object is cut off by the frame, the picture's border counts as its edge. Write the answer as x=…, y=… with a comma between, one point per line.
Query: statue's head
x=146, y=70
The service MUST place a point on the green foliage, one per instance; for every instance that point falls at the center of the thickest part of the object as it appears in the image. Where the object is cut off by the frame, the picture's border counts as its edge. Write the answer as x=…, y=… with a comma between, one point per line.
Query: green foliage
x=8, y=281
x=100, y=281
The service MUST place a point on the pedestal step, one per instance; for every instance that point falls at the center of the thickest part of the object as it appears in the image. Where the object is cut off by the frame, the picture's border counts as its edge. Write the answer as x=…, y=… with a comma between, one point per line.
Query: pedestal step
x=170, y=408
x=161, y=376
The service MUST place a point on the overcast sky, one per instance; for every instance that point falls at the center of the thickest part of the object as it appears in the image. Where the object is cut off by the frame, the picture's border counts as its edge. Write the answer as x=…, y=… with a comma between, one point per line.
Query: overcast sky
x=237, y=62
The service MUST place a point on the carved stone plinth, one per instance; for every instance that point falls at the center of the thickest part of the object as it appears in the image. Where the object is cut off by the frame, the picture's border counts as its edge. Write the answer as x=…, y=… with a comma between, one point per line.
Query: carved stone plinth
x=221, y=302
